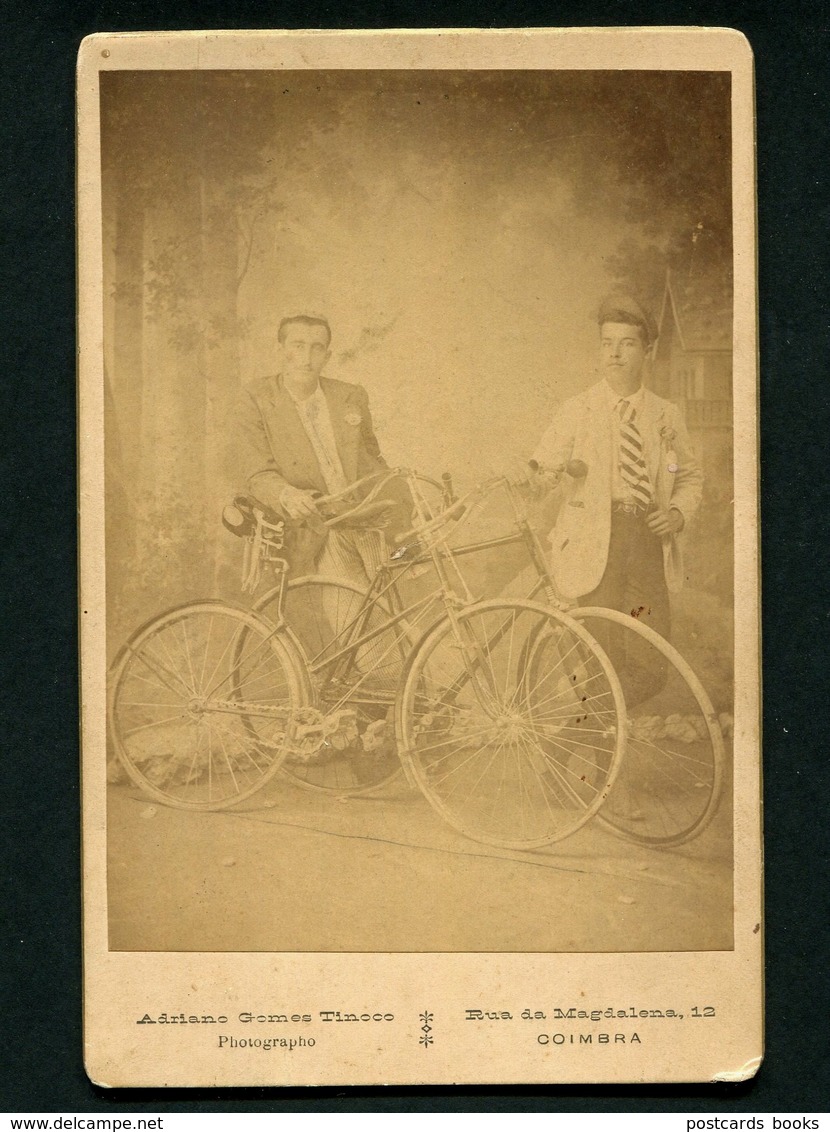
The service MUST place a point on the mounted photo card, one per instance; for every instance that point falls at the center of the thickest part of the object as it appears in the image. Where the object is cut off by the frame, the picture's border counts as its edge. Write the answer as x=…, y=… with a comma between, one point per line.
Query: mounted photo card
x=419, y=557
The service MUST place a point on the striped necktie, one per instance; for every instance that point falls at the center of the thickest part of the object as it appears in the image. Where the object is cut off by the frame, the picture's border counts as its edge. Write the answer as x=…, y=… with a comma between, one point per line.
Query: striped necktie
x=632, y=465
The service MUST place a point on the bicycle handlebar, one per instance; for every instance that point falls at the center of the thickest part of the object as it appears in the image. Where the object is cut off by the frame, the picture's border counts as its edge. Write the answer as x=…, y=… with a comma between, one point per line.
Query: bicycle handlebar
x=457, y=510
x=370, y=505
x=383, y=477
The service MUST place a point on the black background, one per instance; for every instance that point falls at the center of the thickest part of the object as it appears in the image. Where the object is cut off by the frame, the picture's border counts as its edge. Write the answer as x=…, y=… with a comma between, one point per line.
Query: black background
x=42, y=1067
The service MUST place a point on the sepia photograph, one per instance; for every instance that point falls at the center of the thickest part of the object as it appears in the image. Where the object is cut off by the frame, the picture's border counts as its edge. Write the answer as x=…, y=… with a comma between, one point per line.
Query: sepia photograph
x=417, y=442
x=419, y=510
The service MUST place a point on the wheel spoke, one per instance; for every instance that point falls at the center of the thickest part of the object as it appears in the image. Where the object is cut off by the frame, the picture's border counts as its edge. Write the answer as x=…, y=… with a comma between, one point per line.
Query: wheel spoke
x=555, y=739
x=173, y=661
x=672, y=753
x=332, y=619
x=207, y=757
x=186, y=642
x=267, y=656
x=157, y=668
x=155, y=723
x=493, y=756
x=663, y=795
x=501, y=781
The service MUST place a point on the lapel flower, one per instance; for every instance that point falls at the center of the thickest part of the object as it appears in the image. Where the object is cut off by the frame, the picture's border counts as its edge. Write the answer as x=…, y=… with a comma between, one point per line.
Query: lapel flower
x=667, y=435
x=352, y=418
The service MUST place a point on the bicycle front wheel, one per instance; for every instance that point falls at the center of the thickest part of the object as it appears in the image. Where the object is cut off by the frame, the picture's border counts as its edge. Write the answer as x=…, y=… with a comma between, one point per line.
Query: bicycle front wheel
x=509, y=755
x=198, y=722
x=670, y=783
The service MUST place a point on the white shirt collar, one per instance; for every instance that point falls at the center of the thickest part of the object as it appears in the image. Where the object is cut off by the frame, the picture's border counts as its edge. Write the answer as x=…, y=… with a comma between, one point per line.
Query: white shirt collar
x=635, y=399
x=301, y=401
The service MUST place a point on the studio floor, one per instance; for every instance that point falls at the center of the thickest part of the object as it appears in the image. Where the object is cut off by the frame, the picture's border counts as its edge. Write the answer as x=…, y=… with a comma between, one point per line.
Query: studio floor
x=295, y=871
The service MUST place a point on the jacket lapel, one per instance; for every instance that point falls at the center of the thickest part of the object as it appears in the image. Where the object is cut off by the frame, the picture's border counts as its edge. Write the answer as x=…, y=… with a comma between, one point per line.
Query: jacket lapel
x=290, y=439
x=600, y=438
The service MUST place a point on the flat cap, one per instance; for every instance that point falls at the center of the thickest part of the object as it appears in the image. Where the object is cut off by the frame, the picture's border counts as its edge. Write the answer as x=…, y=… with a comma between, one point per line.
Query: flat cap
x=619, y=307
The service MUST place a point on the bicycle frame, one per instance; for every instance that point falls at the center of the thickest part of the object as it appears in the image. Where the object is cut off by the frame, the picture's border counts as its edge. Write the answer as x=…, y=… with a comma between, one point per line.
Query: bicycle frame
x=458, y=634
x=384, y=588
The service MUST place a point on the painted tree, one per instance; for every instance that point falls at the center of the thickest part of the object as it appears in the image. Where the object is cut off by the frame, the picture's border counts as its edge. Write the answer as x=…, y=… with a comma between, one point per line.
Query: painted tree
x=214, y=178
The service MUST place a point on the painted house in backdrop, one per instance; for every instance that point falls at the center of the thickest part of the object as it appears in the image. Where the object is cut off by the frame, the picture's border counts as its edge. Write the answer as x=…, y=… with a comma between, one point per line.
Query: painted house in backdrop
x=693, y=368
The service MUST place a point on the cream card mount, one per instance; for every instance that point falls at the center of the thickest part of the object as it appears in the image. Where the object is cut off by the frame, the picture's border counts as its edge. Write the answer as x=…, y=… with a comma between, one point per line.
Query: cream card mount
x=418, y=408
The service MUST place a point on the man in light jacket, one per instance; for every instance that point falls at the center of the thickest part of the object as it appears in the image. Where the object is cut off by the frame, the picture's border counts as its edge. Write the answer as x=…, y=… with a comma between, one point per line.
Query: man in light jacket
x=629, y=483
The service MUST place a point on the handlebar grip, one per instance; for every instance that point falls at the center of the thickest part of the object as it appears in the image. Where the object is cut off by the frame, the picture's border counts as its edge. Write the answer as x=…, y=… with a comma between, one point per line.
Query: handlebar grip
x=449, y=493
x=576, y=469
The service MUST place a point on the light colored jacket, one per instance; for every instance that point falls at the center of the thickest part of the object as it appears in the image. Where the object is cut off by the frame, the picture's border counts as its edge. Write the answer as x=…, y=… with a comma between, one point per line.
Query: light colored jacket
x=583, y=430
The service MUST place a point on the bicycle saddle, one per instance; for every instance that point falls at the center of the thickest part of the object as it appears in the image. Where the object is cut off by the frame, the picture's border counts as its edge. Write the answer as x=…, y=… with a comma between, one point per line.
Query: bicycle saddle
x=239, y=517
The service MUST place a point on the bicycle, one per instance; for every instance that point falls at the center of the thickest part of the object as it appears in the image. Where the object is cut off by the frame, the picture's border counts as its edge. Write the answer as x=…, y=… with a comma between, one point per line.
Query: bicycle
x=668, y=787
x=507, y=714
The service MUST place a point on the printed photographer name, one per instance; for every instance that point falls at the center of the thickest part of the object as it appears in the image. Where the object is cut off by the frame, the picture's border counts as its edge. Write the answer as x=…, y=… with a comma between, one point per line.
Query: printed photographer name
x=265, y=1019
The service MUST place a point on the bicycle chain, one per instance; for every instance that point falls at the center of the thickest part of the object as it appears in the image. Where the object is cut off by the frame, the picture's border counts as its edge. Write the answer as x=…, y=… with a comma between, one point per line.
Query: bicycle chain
x=237, y=707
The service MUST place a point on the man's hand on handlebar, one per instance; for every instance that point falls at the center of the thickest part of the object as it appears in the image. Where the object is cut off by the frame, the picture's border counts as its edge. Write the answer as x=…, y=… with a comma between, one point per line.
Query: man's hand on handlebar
x=529, y=476
x=543, y=479
x=298, y=504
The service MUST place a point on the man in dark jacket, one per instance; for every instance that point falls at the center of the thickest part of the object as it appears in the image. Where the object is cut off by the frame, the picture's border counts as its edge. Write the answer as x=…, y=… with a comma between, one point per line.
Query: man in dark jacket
x=302, y=435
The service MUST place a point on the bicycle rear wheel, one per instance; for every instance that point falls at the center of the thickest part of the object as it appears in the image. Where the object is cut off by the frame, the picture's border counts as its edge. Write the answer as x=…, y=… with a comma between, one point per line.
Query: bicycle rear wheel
x=669, y=784
x=197, y=722
x=351, y=747
x=508, y=756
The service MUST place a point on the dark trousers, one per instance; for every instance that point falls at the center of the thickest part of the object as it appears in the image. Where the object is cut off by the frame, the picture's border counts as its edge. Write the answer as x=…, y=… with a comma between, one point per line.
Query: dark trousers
x=633, y=583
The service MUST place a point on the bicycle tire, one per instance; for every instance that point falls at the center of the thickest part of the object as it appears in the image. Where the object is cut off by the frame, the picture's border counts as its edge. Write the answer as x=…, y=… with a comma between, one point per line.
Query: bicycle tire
x=177, y=736
x=490, y=751
x=670, y=784
x=310, y=603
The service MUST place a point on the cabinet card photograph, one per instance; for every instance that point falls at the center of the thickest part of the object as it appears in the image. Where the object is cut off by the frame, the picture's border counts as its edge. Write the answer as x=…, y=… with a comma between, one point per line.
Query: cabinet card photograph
x=419, y=557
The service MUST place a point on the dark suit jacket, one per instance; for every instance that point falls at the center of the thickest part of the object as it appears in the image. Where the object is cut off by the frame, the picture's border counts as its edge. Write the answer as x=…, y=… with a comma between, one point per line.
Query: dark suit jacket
x=273, y=451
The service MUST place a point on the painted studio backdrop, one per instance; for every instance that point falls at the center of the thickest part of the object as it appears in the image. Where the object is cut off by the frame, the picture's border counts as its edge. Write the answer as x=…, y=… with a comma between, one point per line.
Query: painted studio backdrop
x=458, y=230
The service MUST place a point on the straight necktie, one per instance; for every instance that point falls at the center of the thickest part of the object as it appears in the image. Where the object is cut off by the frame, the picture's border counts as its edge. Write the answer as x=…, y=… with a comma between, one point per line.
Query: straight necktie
x=632, y=465
x=332, y=472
